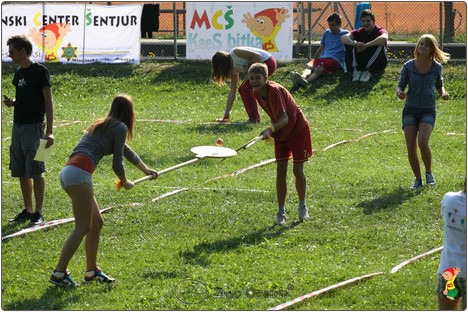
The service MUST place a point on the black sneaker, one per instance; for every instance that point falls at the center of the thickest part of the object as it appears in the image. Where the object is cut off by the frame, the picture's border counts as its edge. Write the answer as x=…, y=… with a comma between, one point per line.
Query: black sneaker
x=22, y=216
x=65, y=281
x=99, y=276
x=36, y=218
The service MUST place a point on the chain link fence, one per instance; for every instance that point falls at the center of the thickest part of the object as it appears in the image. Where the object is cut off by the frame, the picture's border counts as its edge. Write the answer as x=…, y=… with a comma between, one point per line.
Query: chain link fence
x=404, y=21
x=163, y=33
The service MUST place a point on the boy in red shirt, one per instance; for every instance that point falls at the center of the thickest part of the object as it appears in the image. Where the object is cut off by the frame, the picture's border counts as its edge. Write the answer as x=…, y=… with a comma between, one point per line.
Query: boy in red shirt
x=291, y=132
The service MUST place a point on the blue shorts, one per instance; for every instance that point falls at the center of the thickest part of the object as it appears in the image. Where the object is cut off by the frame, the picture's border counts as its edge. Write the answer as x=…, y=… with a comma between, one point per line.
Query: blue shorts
x=71, y=175
x=24, y=144
x=413, y=116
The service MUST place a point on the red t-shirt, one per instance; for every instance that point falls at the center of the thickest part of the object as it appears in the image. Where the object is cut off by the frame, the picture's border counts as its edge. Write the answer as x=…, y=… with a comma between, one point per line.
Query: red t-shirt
x=279, y=100
x=361, y=34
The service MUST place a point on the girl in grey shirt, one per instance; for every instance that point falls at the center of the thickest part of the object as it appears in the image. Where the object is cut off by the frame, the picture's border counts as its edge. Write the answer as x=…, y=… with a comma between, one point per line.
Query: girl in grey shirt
x=423, y=76
x=105, y=136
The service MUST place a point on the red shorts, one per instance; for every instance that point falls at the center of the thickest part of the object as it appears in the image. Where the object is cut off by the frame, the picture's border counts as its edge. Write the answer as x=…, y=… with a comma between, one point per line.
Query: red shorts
x=299, y=146
x=330, y=65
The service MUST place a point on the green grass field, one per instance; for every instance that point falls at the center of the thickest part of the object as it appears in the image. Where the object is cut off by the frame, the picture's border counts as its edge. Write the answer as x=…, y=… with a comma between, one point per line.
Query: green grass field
x=214, y=246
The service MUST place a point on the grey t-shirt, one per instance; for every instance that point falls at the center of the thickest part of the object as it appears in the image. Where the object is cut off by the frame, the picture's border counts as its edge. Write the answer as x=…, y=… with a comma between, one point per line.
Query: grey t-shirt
x=109, y=141
x=421, y=87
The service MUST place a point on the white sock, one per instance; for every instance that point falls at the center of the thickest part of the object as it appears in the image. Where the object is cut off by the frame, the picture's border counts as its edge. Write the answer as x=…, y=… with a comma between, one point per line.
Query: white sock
x=59, y=274
x=90, y=273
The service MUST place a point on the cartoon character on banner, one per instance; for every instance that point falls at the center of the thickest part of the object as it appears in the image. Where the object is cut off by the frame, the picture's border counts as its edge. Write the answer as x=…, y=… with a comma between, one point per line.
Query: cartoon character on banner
x=48, y=38
x=449, y=275
x=266, y=25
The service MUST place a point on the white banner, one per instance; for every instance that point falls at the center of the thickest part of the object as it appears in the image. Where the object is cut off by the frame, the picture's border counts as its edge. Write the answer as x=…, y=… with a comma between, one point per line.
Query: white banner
x=214, y=26
x=75, y=33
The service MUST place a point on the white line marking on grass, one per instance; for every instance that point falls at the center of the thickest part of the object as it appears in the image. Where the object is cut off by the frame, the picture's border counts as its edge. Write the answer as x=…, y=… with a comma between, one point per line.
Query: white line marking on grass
x=396, y=268
x=162, y=121
x=169, y=194
x=357, y=139
x=240, y=171
x=335, y=144
x=318, y=292
x=215, y=189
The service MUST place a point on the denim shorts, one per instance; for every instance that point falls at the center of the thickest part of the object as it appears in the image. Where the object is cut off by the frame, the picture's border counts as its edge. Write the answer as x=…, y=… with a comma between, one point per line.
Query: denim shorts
x=71, y=175
x=413, y=116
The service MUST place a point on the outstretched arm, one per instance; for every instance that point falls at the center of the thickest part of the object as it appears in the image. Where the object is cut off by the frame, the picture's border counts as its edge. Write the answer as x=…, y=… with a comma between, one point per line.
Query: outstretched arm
x=231, y=97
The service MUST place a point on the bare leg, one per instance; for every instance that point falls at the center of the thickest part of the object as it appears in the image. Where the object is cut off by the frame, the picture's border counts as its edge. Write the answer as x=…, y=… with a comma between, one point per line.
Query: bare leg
x=307, y=72
x=281, y=174
x=425, y=131
x=446, y=304
x=39, y=191
x=301, y=185
x=27, y=190
x=411, y=133
x=82, y=201
x=92, y=238
x=319, y=71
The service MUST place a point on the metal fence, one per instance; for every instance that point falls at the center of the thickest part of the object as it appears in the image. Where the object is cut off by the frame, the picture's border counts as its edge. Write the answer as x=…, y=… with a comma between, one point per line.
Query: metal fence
x=405, y=22
x=165, y=38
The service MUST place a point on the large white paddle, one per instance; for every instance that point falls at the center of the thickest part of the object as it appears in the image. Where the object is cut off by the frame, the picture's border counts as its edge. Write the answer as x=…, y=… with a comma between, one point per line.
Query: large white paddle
x=200, y=153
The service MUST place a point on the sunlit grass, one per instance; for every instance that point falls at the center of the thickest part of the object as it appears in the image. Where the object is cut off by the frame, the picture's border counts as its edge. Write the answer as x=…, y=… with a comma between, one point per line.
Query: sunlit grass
x=218, y=237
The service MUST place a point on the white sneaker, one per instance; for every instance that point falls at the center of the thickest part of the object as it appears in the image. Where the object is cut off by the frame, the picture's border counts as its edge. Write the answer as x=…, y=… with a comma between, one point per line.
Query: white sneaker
x=430, y=180
x=303, y=213
x=297, y=78
x=365, y=76
x=356, y=75
x=280, y=218
x=292, y=76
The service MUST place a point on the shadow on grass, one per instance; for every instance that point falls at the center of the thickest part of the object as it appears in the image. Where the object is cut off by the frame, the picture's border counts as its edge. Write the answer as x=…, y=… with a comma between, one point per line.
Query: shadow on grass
x=387, y=201
x=197, y=72
x=54, y=298
x=199, y=255
x=177, y=71
x=13, y=227
x=344, y=87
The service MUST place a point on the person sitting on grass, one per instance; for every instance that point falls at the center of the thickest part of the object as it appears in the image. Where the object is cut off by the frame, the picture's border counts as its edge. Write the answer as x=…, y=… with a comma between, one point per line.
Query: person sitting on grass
x=328, y=58
x=369, y=52
x=106, y=136
x=290, y=129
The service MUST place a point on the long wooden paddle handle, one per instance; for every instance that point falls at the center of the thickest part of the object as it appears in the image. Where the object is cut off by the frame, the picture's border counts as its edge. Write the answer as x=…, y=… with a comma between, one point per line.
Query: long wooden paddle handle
x=191, y=161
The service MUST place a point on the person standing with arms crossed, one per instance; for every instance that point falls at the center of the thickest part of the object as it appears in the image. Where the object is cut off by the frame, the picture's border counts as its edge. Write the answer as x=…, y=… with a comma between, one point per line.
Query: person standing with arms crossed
x=106, y=136
x=423, y=76
x=228, y=66
x=291, y=132
x=33, y=102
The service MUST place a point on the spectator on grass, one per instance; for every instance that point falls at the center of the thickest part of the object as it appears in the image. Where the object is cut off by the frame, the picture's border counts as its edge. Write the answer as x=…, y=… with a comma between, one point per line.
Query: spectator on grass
x=228, y=66
x=453, y=256
x=369, y=48
x=423, y=75
x=105, y=136
x=290, y=129
x=33, y=102
x=328, y=58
